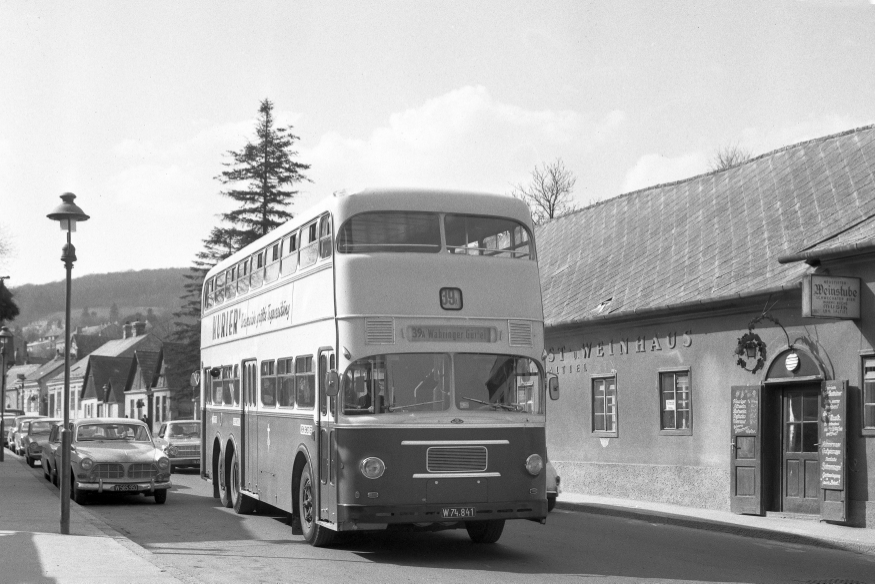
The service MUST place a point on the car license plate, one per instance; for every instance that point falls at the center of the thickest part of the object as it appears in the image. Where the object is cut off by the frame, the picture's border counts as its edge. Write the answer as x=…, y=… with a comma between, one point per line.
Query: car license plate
x=127, y=487
x=457, y=512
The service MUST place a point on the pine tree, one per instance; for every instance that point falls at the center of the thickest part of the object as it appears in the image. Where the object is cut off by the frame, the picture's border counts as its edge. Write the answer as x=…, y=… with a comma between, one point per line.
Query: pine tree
x=264, y=173
x=8, y=307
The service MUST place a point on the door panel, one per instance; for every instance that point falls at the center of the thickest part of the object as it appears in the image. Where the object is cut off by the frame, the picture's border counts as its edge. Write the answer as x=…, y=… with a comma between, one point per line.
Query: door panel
x=799, y=452
x=250, y=448
x=327, y=446
x=746, y=451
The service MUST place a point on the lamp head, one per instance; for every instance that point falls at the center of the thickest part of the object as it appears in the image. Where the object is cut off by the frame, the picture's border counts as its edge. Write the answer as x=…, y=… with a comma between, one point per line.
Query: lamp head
x=68, y=213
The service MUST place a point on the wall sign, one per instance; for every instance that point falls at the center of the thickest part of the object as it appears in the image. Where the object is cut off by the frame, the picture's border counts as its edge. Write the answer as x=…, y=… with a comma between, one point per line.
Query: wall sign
x=832, y=435
x=830, y=297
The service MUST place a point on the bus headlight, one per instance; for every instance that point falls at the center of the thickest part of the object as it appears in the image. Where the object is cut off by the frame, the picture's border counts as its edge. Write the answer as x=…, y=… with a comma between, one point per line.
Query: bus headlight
x=373, y=467
x=163, y=463
x=86, y=463
x=534, y=464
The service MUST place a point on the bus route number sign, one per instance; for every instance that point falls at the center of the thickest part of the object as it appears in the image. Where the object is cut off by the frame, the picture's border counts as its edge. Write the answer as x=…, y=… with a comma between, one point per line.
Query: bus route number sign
x=451, y=298
x=458, y=512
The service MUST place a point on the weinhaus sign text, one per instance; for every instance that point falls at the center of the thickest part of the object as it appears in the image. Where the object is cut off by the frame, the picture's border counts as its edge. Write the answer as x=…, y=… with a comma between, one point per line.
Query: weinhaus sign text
x=586, y=356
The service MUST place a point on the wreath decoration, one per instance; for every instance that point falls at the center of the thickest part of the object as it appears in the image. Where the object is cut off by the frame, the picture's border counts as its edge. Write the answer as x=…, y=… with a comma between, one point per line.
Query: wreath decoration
x=746, y=341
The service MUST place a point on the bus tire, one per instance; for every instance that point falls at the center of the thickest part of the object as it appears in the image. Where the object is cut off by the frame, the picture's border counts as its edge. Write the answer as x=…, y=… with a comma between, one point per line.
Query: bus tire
x=243, y=504
x=224, y=491
x=485, y=531
x=314, y=534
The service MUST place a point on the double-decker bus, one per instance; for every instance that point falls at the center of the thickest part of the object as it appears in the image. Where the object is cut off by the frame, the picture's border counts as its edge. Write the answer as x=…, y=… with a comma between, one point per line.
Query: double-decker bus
x=376, y=363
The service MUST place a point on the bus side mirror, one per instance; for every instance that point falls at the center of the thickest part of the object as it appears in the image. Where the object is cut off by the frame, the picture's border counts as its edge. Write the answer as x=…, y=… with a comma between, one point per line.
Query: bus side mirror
x=332, y=383
x=553, y=386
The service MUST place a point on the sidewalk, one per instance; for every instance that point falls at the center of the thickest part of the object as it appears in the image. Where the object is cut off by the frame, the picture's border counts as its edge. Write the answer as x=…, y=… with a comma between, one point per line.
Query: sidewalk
x=772, y=527
x=32, y=551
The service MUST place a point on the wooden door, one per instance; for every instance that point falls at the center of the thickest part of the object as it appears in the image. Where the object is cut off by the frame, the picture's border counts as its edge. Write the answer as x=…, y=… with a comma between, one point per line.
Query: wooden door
x=746, y=460
x=800, y=464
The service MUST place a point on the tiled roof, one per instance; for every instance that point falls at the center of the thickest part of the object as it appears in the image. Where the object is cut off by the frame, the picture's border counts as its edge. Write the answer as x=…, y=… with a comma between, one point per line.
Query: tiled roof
x=47, y=369
x=710, y=237
x=114, y=372
x=147, y=361
x=114, y=348
x=13, y=372
x=176, y=375
x=86, y=343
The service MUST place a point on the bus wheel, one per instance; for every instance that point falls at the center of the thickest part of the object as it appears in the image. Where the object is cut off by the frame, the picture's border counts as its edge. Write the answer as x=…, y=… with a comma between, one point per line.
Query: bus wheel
x=315, y=534
x=224, y=493
x=243, y=504
x=485, y=531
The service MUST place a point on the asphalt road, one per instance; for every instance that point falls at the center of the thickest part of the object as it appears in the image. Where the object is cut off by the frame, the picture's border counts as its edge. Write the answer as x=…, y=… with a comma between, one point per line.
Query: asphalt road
x=200, y=541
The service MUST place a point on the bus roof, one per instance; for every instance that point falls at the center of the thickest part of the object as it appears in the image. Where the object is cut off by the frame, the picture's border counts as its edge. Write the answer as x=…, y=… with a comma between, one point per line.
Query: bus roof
x=394, y=199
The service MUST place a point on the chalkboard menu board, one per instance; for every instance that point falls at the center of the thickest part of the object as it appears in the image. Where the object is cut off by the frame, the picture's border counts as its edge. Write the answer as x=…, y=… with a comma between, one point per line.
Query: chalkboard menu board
x=745, y=411
x=834, y=404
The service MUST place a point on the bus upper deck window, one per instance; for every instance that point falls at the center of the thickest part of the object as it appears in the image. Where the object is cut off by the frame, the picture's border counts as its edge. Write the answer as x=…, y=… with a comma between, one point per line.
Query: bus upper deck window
x=390, y=231
x=290, y=254
x=325, y=237
x=256, y=279
x=272, y=267
x=231, y=283
x=243, y=277
x=309, y=249
x=208, y=294
x=480, y=235
x=219, y=290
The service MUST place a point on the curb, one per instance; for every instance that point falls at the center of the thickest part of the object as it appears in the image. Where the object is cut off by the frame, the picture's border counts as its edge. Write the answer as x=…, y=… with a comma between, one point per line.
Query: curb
x=703, y=524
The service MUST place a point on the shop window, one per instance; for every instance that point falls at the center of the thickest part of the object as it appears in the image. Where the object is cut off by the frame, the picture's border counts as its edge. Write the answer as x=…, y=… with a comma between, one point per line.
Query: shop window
x=268, y=383
x=604, y=406
x=675, y=403
x=869, y=397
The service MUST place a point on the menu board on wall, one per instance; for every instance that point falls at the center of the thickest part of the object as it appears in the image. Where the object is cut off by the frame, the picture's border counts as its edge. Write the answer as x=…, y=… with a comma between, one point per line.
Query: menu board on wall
x=745, y=411
x=833, y=430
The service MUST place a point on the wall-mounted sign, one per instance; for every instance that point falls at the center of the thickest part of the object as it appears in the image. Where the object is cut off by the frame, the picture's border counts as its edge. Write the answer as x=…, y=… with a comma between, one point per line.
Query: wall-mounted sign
x=830, y=297
x=745, y=411
x=833, y=435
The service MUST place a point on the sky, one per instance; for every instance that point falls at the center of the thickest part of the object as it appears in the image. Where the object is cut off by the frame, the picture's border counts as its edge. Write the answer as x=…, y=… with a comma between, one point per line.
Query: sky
x=133, y=106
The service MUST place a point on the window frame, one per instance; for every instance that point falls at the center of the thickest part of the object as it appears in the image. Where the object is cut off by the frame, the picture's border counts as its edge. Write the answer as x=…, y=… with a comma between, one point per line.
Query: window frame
x=285, y=370
x=866, y=361
x=615, y=433
x=291, y=243
x=675, y=371
x=269, y=364
x=301, y=372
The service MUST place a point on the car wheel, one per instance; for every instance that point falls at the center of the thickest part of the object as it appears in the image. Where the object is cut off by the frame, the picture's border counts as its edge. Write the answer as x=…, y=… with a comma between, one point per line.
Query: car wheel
x=314, y=534
x=55, y=477
x=551, y=503
x=46, y=471
x=77, y=494
x=243, y=505
x=224, y=492
x=485, y=531
x=161, y=496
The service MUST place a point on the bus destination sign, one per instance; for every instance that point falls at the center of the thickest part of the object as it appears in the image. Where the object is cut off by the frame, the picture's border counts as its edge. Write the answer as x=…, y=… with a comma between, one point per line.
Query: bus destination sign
x=452, y=334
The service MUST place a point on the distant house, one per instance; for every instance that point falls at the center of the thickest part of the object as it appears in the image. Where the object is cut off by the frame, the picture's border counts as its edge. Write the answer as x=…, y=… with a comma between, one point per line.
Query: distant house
x=714, y=338
x=36, y=384
x=15, y=396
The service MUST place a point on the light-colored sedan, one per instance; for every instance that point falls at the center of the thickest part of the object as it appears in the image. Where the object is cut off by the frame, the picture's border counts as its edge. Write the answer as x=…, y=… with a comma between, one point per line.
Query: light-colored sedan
x=14, y=437
x=34, y=434
x=110, y=455
x=181, y=442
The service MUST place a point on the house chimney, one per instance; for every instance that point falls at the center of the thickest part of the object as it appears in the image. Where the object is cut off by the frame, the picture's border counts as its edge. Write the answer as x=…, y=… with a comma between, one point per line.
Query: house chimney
x=139, y=329
x=126, y=330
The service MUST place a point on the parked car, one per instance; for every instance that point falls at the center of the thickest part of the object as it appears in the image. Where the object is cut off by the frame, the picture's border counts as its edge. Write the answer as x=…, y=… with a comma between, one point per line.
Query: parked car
x=8, y=424
x=110, y=455
x=181, y=442
x=35, y=433
x=553, y=488
x=14, y=435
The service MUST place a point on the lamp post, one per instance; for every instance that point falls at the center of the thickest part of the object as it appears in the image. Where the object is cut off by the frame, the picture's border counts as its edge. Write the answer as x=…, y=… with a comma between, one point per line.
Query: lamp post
x=67, y=213
x=5, y=341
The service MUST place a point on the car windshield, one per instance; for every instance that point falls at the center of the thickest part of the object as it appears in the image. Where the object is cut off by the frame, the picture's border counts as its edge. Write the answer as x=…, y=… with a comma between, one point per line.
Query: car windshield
x=40, y=428
x=433, y=382
x=187, y=430
x=111, y=431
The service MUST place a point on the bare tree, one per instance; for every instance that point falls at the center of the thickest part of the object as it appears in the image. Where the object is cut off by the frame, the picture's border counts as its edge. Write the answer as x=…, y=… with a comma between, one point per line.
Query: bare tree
x=548, y=194
x=729, y=156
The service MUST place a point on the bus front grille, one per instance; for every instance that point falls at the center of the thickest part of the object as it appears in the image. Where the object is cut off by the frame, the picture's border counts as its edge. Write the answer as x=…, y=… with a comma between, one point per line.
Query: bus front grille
x=456, y=459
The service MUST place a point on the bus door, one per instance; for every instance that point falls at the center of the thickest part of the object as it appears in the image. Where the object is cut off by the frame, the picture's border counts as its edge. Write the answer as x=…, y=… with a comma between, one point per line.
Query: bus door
x=326, y=439
x=250, y=427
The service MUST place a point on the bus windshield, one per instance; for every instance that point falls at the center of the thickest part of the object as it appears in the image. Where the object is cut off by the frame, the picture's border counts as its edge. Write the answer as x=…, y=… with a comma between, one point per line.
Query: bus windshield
x=434, y=382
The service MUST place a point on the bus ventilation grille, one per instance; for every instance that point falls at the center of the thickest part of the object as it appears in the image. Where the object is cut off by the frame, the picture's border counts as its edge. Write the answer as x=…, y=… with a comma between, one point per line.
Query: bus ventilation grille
x=380, y=331
x=456, y=459
x=520, y=333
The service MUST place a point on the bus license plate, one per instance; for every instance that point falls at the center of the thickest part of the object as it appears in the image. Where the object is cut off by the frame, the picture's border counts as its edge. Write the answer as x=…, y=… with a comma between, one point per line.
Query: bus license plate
x=127, y=487
x=457, y=512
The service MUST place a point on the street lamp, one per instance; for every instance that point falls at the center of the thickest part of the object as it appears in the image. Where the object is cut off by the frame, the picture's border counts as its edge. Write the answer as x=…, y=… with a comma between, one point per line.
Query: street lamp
x=5, y=342
x=67, y=213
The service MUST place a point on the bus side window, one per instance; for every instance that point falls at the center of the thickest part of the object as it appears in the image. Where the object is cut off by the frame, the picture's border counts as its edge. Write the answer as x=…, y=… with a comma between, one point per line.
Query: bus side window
x=231, y=283
x=290, y=257
x=285, y=382
x=243, y=276
x=268, y=383
x=235, y=385
x=208, y=294
x=325, y=237
x=272, y=269
x=257, y=277
x=217, y=389
x=227, y=386
x=305, y=382
x=309, y=250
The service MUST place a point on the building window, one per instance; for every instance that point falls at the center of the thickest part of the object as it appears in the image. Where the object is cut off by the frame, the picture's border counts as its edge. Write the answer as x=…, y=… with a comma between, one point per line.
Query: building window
x=604, y=406
x=869, y=397
x=675, y=403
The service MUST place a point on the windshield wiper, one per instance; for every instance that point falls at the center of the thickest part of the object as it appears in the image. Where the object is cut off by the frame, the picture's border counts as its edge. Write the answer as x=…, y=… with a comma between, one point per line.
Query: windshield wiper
x=494, y=405
x=405, y=406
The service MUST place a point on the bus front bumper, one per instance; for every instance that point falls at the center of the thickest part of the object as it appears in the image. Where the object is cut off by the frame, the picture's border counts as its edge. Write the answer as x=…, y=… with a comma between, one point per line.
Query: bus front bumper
x=353, y=517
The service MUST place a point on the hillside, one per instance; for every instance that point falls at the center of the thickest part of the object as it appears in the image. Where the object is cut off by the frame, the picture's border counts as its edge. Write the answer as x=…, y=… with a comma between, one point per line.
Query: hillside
x=131, y=291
